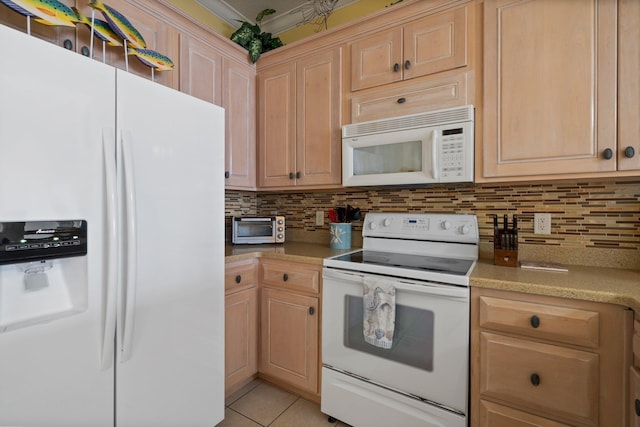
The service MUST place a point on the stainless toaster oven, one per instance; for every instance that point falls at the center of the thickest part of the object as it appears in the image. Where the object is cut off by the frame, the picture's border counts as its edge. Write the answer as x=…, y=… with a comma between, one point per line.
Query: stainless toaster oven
x=256, y=230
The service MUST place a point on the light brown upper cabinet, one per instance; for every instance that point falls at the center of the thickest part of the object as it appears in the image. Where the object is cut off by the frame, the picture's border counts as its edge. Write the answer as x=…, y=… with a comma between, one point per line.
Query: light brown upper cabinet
x=550, y=89
x=299, y=142
x=426, y=46
x=629, y=85
x=212, y=77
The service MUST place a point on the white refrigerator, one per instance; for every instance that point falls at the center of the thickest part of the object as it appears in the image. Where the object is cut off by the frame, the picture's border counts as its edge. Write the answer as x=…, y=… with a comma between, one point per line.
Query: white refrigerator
x=132, y=333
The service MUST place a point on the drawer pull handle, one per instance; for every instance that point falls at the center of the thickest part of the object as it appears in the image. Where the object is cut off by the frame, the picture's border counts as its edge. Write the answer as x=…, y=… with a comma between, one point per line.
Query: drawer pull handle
x=291, y=175
x=238, y=278
x=313, y=310
x=298, y=175
x=396, y=67
x=227, y=174
x=402, y=100
x=607, y=153
x=407, y=64
x=535, y=321
x=285, y=277
x=637, y=405
x=535, y=380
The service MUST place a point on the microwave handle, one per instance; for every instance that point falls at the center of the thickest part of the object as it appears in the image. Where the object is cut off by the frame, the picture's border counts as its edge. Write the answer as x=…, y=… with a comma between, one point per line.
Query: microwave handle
x=434, y=154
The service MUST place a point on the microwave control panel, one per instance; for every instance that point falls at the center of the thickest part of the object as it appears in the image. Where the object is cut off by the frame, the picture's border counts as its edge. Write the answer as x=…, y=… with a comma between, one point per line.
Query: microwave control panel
x=454, y=156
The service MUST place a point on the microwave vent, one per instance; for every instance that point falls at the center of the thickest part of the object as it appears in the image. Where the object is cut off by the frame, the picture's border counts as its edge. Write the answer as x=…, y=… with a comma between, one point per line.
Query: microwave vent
x=432, y=118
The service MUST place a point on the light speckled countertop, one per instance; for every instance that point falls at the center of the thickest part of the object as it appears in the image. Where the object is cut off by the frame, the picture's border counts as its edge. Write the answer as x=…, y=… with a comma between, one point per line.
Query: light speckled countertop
x=606, y=285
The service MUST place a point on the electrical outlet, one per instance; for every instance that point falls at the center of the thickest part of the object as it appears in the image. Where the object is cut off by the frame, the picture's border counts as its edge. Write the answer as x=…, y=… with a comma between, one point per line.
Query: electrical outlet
x=319, y=217
x=542, y=223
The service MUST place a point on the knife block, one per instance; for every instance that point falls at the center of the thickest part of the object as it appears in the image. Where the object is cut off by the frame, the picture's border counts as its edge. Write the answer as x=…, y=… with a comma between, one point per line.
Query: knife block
x=502, y=256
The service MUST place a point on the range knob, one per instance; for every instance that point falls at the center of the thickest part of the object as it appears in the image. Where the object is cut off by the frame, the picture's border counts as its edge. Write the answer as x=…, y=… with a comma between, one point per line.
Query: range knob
x=445, y=225
x=373, y=225
x=386, y=222
x=464, y=229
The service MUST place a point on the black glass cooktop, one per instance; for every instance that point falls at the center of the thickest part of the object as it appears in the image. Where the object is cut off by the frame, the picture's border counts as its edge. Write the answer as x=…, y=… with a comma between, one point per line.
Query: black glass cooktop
x=458, y=267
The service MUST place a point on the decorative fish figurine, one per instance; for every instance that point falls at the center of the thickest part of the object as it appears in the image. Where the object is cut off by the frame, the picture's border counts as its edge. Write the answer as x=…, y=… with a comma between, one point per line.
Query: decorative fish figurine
x=100, y=29
x=151, y=58
x=120, y=24
x=47, y=12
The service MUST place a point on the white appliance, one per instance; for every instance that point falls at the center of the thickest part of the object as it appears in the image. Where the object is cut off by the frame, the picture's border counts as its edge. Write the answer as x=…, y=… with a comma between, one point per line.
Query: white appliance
x=422, y=380
x=424, y=148
x=132, y=333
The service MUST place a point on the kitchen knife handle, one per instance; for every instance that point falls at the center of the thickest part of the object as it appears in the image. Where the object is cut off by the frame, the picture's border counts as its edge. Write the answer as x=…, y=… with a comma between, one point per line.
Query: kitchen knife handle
x=109, y=287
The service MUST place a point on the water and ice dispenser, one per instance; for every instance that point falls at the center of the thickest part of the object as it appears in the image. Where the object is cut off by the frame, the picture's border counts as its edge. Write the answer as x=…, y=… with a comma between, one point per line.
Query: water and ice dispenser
x=43, y=271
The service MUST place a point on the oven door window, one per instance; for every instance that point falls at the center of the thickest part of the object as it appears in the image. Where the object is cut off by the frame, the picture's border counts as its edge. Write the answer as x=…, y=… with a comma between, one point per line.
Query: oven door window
x=255, y=229
x=412, y=338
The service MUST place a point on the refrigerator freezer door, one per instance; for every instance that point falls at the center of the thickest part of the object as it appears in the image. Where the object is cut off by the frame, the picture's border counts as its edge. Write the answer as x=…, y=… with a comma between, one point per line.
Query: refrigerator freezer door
x=170, y=355
x=54, y=106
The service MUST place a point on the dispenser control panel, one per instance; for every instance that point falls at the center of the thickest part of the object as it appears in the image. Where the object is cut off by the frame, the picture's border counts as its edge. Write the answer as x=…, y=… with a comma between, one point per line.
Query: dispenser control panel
x=39, y=240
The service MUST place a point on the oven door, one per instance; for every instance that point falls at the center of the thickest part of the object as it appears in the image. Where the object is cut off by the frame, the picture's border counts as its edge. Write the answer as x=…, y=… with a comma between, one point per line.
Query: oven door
x=429, y=357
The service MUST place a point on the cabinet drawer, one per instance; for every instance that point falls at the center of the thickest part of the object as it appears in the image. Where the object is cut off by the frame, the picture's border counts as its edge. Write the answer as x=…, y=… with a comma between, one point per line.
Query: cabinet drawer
x=494, y=415
x=561, y=324
x=553, y=380
x=432, y=94
x=240, y=275
x=290, y=275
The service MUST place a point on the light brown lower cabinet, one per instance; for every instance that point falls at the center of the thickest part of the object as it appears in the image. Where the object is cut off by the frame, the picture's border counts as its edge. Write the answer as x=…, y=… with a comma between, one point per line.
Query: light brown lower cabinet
x=289, y=338
x=241, y=338
x=547, y=361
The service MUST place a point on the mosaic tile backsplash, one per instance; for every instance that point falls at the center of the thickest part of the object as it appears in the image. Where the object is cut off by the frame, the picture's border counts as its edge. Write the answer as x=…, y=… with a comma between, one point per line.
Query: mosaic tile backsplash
x=584, y=215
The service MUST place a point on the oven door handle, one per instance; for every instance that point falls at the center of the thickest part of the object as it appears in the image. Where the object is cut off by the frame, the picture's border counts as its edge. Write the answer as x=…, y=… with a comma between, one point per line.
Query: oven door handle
x=422, y=288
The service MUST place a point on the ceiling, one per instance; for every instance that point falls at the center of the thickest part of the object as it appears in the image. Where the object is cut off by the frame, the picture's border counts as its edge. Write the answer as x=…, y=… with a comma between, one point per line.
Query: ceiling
x=288, y=12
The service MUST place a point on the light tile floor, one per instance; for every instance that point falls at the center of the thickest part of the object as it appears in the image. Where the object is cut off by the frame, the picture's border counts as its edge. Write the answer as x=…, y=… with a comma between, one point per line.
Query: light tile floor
x=261, y=404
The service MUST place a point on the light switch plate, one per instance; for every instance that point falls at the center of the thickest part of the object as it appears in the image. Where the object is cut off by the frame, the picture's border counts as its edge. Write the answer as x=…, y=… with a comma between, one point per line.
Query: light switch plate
x=319, y=217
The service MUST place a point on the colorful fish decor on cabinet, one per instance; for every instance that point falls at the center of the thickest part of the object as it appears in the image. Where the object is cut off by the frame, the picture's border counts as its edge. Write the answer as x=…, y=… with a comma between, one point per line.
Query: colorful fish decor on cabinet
x=100, y=28
x=120, y=24
x=152, y=59
x=47, y=12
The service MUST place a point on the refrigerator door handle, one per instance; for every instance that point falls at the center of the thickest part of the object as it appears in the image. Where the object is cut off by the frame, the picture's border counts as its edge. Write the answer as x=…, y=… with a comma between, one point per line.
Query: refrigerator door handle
x=129, y=286
x=109, y=301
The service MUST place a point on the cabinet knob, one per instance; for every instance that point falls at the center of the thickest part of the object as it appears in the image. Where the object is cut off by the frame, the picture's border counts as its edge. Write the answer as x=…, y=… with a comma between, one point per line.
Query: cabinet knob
x=535, y=321
x=291, y=175
x=535, y=379
x=285, y=277
x=298, y=175
x=238, y=278
x=67, y=44
x=407, y=64
x=227, y=174
x=84, y=51
x=629, y=152
x=312, y=310
x=402, y=100
x=637, y=407
x=396, y=67
x=607, y=153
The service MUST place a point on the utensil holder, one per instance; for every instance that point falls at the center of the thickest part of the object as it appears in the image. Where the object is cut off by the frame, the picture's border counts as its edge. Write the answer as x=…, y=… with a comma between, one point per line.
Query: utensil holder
x=340, y=235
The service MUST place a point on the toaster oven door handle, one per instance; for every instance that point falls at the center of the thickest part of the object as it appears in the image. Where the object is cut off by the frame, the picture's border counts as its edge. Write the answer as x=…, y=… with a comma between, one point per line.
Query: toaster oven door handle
x=434, y=154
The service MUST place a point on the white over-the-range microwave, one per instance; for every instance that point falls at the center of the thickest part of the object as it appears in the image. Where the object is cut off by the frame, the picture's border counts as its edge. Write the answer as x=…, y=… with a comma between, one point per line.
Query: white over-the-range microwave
x=424, y=148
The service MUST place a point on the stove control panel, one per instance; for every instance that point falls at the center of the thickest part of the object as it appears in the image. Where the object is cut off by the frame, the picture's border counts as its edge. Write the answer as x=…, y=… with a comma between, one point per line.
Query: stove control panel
x=421, y=226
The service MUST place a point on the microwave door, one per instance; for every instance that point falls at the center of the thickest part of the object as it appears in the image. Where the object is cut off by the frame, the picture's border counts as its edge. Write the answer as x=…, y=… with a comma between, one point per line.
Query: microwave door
x=392, y=158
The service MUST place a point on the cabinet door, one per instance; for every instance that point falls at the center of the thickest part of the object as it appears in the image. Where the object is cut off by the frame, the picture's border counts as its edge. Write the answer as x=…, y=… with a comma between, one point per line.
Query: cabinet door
x=54, y=34
x=289, y=338
x=239, y=101
x=435, y=43
x=241, y=338
x=159, y=36
x=276, y=126
x=201, y=70
x=549, y=106
x=629, y=85
x=376, y=60
x=319, y=141
x=634, y=403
